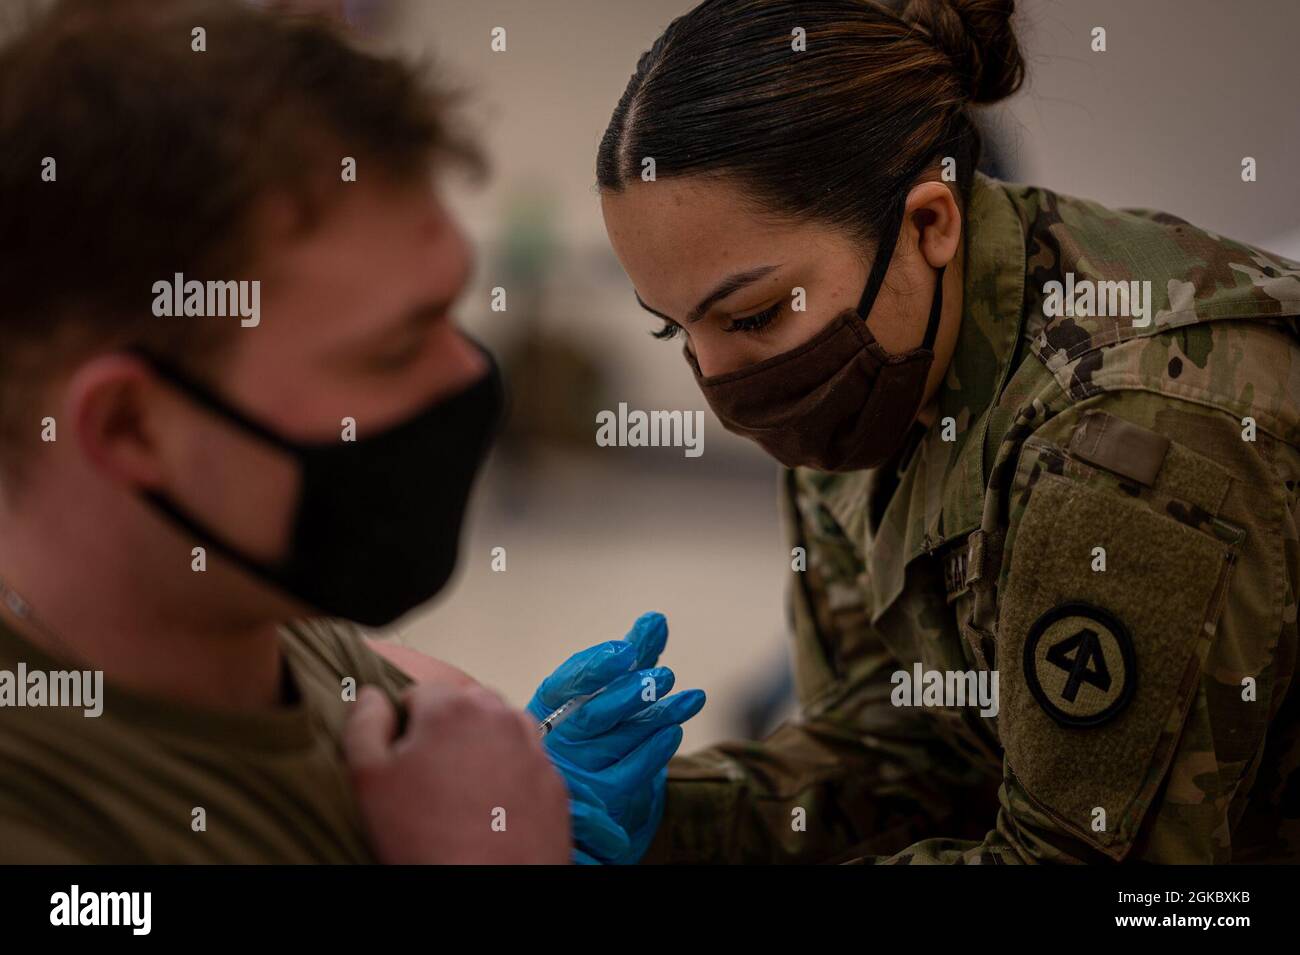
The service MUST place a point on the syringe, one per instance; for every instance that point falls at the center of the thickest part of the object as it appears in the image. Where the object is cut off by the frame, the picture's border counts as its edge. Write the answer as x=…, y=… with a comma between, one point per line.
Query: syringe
x=564, y=711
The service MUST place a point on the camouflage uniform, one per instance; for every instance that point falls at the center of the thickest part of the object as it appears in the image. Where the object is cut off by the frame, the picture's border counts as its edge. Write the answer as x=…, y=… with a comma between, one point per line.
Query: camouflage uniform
x=1147, y=709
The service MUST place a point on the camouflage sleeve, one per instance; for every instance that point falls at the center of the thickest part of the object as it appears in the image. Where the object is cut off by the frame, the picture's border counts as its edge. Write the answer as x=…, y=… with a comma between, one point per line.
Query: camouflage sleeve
x=1146, y=640
x=852, y=773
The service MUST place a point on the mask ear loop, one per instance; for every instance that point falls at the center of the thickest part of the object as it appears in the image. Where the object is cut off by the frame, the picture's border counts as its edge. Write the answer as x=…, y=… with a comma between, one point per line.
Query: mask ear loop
x=878, y=269
x=884, y=254
x=936, y=311
x=205, y=396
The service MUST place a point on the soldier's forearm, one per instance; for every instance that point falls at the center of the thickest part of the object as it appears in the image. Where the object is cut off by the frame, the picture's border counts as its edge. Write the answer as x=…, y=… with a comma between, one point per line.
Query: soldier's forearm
x=809, y=793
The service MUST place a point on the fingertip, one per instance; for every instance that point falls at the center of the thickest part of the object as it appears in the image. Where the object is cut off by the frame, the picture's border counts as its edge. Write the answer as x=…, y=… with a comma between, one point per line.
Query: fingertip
x=650, y=635
x=649, y=621
x=651, y=627
x=664, y=680
x=689, y=703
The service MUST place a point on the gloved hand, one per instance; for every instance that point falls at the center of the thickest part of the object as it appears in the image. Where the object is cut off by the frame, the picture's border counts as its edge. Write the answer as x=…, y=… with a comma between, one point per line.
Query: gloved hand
x=617, y=745
x=595, y=835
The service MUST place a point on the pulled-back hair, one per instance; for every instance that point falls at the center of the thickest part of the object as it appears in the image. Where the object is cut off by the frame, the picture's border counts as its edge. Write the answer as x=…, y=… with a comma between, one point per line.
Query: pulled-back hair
x=837, y=132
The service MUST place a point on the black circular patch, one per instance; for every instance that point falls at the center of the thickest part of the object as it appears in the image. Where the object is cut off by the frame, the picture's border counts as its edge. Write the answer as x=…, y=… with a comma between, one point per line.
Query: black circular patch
x=1080, y=665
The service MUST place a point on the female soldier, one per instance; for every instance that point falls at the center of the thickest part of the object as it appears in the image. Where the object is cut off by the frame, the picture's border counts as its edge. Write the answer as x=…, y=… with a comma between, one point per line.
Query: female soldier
x=1033, y=445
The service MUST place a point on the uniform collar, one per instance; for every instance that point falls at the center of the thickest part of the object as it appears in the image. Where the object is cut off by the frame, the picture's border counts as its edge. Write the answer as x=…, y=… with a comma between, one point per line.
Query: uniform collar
x=940, y=493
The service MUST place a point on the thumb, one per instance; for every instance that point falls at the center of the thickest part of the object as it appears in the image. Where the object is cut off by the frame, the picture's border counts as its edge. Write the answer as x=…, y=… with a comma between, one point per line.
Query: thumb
x=368, y=733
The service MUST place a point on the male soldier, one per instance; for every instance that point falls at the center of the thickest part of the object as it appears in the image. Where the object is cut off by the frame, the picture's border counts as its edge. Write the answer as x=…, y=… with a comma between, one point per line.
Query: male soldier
x=199, y=484
x=1109, y=524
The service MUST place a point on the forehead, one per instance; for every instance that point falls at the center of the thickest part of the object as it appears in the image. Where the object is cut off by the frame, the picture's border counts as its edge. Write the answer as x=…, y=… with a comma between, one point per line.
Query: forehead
x=679, y=219
x=368, y=222
x=676, y=238
x=373, y=251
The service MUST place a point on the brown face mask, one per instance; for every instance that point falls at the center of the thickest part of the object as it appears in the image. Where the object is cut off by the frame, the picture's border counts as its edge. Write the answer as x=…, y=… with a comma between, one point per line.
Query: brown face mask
x=838, y=402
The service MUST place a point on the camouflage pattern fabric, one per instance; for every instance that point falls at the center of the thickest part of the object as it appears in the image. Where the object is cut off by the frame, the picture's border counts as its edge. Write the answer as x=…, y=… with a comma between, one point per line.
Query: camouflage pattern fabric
x=1112, y=529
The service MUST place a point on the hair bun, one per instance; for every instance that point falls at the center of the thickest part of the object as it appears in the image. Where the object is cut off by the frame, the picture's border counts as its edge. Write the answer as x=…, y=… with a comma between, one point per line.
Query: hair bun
x=978, y=37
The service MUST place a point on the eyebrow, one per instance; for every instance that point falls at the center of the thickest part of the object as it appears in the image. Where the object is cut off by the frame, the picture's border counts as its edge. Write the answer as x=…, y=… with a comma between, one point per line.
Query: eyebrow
x=731, y=283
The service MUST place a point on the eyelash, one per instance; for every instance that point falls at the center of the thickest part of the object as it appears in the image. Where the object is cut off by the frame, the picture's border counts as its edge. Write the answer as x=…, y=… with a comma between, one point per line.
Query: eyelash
x=751, y=323
x=756, y=322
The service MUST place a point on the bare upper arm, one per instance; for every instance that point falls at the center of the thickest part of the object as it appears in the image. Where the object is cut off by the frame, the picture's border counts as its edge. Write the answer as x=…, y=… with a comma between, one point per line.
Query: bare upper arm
x=420, y=667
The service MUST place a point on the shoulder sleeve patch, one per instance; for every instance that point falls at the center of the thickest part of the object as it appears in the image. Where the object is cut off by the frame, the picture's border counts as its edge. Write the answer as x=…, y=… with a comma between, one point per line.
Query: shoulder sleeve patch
x=1099, y=666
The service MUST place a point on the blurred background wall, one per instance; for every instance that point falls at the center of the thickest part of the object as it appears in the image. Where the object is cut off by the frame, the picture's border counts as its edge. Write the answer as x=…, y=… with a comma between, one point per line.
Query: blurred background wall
x=594, y=536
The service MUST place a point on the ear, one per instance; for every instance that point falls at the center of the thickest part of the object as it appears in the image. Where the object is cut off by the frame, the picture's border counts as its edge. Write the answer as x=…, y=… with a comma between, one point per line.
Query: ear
x=118, y=409
x=933, y=211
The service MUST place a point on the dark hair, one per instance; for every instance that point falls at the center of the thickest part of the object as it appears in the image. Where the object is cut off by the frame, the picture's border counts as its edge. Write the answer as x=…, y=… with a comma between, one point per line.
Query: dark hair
x=838, y=132
x=162, y=153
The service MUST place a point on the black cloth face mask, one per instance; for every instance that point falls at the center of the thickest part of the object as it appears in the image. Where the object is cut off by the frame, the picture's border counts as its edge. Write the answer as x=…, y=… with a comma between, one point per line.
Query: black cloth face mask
x=837, y=402
x=377, y=523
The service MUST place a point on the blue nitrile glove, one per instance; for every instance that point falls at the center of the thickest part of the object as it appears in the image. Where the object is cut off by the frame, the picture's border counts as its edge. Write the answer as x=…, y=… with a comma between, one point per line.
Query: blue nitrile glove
x=593, y=828
x=618, y=743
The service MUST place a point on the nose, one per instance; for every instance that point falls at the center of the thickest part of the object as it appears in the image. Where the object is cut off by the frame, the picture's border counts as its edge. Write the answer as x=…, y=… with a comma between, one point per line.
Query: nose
x=711, y=358
x=704, y=365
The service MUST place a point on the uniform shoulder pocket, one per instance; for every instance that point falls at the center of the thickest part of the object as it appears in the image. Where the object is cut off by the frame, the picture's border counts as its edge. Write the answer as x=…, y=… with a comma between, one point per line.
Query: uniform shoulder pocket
x=1118, y=568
